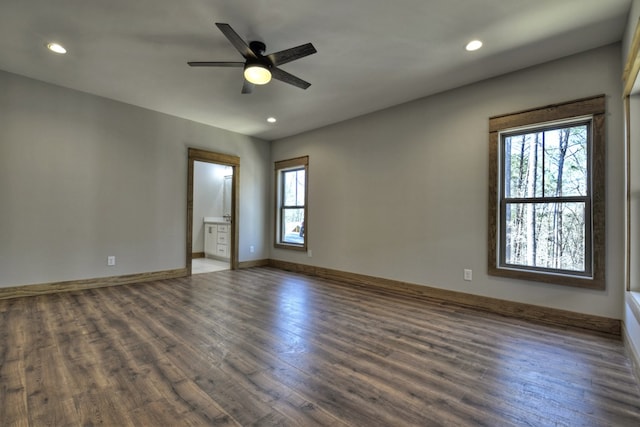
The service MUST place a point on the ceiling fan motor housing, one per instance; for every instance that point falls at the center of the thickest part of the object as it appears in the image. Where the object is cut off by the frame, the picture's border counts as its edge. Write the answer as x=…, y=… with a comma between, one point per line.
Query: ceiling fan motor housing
x=257, y=47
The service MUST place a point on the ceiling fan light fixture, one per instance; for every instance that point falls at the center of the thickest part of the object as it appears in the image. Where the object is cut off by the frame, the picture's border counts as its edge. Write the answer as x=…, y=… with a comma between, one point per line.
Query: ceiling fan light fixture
x=257, y=74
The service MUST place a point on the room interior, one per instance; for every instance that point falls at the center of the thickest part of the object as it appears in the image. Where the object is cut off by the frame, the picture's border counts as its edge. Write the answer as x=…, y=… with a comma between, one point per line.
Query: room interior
x=95, y=144
x=212, y=185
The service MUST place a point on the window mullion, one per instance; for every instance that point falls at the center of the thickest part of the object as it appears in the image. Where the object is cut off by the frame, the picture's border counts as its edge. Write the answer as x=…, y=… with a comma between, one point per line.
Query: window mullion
x=565, y=199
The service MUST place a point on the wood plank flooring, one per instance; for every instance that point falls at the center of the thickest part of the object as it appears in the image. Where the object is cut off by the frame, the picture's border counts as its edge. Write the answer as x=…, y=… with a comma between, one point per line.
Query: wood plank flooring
x=265, y=347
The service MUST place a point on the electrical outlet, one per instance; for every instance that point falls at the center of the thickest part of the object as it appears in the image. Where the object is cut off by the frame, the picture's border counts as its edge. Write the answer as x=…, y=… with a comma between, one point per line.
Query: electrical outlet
x=111, y=260
x=468, y=274
x=309, y=253
x=252, y=249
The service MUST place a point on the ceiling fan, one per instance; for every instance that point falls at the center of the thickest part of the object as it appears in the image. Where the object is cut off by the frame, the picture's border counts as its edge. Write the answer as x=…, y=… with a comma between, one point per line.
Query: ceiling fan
x=258, y=67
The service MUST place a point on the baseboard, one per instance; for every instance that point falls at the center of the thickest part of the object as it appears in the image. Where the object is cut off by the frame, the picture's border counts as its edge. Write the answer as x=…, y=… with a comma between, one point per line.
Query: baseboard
x=196, y=255
x=100, y=282
x=254, y=263
x=507, y=308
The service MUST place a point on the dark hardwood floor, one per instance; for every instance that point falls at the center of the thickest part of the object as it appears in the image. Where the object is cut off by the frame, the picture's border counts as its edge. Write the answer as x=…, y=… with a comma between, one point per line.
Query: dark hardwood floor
x=266, y=347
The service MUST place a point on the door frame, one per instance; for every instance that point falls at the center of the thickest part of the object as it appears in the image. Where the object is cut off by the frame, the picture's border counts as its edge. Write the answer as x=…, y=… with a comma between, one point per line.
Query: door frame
x=199, y=155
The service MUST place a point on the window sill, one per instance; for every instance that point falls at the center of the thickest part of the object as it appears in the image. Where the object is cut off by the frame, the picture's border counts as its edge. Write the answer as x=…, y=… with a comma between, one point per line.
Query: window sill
x=554, y=279
x=291, y=247
x=634, y=304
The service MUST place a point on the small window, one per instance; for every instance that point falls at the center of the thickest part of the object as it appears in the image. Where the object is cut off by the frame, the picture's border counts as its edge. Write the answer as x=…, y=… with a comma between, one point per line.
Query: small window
x=291, y=203
x=546, y=208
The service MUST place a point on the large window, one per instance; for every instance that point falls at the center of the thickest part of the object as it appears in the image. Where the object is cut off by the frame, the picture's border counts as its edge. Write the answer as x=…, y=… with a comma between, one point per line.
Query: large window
x=291, y=202
x=547, y=194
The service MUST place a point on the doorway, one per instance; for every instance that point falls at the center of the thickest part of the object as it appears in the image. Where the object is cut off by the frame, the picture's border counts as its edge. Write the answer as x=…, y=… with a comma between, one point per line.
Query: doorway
x=221, y=226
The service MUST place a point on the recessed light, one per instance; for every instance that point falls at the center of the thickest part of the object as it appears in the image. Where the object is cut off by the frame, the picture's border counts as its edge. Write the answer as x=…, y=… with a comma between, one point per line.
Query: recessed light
x=57, y=48
x=473, y=45
x=271, y=120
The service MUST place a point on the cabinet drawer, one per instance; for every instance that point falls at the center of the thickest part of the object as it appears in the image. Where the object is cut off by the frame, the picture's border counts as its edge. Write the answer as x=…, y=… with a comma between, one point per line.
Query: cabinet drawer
x=223, y=238
x=223, y=228
x=221, y=251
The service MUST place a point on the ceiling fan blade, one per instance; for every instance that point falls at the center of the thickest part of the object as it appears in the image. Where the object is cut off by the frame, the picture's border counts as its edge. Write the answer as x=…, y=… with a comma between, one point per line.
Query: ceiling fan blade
x=283, y=76
x=215, y=64
x=247, y=86
x=288, y=55
x=236, y=40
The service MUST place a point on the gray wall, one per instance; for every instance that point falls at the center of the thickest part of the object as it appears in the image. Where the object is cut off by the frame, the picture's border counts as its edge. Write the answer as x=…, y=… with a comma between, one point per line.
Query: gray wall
x=83, y=177
x=402, y=193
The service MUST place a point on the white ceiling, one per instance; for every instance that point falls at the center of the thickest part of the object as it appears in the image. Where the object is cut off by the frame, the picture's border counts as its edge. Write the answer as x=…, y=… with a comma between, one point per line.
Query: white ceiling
x=372, y=54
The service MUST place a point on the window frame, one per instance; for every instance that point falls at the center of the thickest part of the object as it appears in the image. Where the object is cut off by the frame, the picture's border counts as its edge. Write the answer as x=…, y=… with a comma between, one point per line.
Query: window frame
x=577, y=111
x=506, y=200
x=281, y=167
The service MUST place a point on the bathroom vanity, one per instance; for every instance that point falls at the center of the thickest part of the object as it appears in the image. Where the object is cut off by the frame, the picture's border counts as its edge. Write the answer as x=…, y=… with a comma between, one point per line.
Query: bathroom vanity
x=216, y=238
